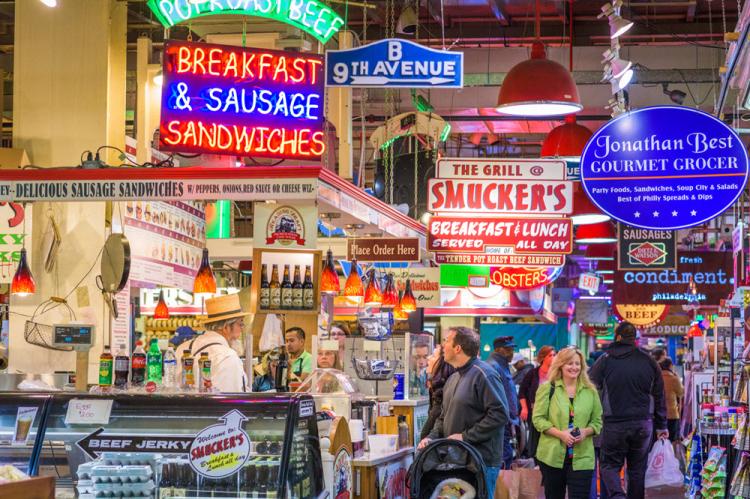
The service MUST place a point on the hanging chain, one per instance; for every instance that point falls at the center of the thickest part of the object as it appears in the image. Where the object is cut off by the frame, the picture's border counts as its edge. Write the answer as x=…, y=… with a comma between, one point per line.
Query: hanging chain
x=724, y=20
x=389, y=104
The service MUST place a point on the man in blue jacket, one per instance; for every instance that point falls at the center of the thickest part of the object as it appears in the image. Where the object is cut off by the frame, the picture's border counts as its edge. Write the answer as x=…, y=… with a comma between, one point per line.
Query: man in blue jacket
x=474, y=406
x=500, y=360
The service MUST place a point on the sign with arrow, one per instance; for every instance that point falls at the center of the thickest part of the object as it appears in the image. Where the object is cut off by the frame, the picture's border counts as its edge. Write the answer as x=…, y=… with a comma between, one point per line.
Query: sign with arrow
x=220, y=450
x=97, y=442
x=394, y=63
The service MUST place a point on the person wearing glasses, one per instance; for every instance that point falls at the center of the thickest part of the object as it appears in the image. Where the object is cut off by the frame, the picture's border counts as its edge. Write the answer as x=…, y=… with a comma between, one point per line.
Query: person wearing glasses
x=567, y=414
x=224, y=324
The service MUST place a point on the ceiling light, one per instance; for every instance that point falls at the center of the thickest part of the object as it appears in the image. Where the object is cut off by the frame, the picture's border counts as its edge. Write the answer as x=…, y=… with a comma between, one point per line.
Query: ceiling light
x=676, y=96
x=476, y=138
x=566, y=141
x=425, y=218
x=408, y=303
x=407, y=21
x=617, y=67
x=608, y=281
x=329, y=279
x=49, y=3
x=353, y=286
x=600, y=252
x=373, y=293
x=158, y=79
x=601, y=233
x=618, y=26
x=584, y=211
x=619, y=83
x=538, y=87
x=161, y=311
x=23, y=282
x=204, y=282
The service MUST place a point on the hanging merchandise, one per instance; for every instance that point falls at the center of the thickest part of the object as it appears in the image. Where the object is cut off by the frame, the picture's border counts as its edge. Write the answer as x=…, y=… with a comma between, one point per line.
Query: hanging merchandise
x=714, y=474
x=741, y=482
x=695, y=466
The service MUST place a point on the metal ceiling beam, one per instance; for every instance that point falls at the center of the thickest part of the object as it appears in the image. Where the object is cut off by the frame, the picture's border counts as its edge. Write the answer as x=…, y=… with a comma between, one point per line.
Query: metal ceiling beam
x=642, y=76
x=498, y=10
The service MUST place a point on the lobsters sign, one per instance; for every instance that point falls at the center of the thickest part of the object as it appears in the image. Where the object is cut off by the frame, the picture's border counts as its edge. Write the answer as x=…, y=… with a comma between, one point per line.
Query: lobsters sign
x=664, y=167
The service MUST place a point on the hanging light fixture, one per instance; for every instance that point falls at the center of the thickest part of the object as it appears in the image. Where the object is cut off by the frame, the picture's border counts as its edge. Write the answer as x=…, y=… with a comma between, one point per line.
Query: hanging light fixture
x=373, y=294
x=161, y=311
x=353, y=285
x=584, y=211
x=408, y=302
x=329, y=279
x=566, y=141
x=600, y=252
x=617, y=25
x=390, y=295
x=600, y=233
x=204, y=282
x=398, y=312
x=407, y=21
x=23, y=282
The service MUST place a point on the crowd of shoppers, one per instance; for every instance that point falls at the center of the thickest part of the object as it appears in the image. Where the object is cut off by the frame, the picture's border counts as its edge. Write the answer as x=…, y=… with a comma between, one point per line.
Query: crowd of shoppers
x=628, y=398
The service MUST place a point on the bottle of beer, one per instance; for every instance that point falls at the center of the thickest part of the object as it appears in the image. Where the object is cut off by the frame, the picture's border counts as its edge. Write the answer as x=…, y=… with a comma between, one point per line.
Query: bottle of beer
x=308, y=290
x=297, y=298
x=265, y=289
x=106, y=362
x=286, y=290
x=282, y=373
x=275, y=288
x=122, y=368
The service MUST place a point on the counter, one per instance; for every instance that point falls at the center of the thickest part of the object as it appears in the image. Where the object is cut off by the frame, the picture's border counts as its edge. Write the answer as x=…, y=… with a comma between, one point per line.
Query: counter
x=382, y=477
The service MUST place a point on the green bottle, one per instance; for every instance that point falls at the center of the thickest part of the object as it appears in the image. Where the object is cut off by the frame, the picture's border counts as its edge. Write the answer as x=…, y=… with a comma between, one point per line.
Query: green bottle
x=105, y=368
x=153, y=362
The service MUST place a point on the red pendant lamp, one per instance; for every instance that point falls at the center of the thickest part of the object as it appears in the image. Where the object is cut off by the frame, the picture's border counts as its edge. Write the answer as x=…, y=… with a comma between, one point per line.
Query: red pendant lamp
x=601, y=233
x=353, y=285
x=161, y=311
x=408, y=302
x=23, y=282
x=398, y=312
x=390, y=295
x=373, y=294
x=584, y=211
x=566, y=141
x=601, y=252
x=329, y=279
x=204, y=282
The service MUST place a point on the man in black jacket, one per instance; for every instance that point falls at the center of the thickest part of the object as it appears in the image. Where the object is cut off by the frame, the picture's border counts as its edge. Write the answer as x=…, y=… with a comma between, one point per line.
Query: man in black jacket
x=632, y=392
x=475, y=409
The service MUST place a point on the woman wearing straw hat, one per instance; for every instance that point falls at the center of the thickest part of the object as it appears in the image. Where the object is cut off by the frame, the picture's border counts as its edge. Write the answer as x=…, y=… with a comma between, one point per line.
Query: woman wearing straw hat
x=224, y=325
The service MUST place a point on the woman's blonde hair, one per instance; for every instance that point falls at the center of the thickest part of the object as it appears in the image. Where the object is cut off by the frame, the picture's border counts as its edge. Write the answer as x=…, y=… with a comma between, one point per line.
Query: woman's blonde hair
x=563, y=357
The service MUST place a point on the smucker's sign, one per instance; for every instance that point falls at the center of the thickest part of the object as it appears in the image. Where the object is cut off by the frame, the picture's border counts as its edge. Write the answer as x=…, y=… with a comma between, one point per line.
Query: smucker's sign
x=506, y=197
x=221, y=449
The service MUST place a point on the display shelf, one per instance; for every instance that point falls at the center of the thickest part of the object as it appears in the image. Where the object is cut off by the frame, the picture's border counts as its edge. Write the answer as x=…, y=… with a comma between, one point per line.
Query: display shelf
x=282, y=311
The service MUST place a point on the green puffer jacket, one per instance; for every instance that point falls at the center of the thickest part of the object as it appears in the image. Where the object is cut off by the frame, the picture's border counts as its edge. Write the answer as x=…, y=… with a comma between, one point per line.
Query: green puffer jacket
x=554, y=412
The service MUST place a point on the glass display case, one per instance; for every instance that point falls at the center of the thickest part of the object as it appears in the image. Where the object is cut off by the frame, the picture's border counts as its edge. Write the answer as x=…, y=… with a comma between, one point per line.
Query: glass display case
x=243, y=445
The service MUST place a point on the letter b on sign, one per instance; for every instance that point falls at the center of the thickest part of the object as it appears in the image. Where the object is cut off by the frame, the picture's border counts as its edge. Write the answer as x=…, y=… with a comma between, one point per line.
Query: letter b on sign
x=394, y=51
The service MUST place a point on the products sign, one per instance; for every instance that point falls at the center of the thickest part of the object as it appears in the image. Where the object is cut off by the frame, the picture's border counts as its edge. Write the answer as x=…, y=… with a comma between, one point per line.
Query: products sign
x=666, y=330
x=590, y=282
x=664, y=167
x=311, y=16
x=394, y=63
x=285, y=226
x=641, y=315
x=522, y=197
x=221, y=449
x=24, y=421
x=492, y=259
x=248, y=102
x=644, y=249
x=521, y=278
x=97, y=442
x=501, y=169
x=508, y=236
x=711, y=273
x=383, y=249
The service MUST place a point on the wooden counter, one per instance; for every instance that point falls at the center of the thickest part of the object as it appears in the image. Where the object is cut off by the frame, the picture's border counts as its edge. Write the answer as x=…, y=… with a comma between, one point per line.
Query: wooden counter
x=370, y=472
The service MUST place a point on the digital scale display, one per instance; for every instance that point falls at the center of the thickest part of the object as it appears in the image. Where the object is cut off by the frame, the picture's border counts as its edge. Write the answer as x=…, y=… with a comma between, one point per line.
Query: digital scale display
x=74, y=335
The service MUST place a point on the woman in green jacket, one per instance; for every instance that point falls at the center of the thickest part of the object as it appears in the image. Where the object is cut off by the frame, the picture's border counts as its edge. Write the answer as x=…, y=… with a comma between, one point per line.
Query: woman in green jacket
x=567, y=414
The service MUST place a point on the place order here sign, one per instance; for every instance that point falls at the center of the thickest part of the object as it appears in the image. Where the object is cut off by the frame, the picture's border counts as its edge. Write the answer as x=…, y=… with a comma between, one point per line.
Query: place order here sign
x=522, y=201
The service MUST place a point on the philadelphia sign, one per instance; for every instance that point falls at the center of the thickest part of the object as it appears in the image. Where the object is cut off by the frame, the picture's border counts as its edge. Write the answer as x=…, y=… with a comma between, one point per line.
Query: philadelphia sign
x=664, y=168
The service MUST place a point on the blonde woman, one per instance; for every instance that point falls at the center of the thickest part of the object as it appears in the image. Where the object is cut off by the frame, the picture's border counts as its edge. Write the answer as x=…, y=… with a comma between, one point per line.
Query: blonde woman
x=567, y=414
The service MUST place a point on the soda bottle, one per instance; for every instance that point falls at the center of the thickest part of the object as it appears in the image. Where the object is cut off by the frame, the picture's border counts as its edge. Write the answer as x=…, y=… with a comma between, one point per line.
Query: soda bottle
x=105, y=368
x=122, y=368
x=138, y=365
x=188, y=374
x=170, y=368
x=203, y=359
x=153, y=362
x=206, y=376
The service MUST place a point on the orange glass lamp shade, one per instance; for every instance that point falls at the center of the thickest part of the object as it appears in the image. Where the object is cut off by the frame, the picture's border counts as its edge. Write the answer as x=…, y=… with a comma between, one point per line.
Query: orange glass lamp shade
x=329, y=279
x=390, y=295
x=408, y=302
x=601, y=252
x=373, y=294
x=205, y=282
x=398, y=312
x=566, y=141
x=161, y=311
x=538, y=87
x=23, y=282
x=601, y=233
x=584, y=211
x=353, y=285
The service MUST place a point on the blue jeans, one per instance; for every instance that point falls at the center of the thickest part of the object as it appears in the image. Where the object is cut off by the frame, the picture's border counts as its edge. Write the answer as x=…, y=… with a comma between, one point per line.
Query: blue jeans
x=491, y=476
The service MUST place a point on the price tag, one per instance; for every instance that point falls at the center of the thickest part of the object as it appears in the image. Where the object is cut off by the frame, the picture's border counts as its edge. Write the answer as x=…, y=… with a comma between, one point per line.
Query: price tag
x=88, y=411
x=371, y=346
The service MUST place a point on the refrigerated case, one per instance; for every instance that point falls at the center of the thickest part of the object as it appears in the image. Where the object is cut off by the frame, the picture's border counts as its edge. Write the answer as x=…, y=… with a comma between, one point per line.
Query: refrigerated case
x=243, y=445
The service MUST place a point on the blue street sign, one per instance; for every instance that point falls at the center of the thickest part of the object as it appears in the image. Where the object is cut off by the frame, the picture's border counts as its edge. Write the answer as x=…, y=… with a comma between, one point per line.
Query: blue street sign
x=394, y=63
x=664, y=167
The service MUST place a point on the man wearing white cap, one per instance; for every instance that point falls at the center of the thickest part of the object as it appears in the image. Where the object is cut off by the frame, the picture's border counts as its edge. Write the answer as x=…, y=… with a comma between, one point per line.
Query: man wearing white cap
x=224, y=325
x=522, y=367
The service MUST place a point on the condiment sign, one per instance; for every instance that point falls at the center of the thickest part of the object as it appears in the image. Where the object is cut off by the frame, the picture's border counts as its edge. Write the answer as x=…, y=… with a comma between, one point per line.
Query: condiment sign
x=664, y=167
x=311, y=16
x=520, y=278
x=221, y=449
x=394, y=63
x=645, y=249
x=249, y=102
x=492, y=259
x=641, y=315
x=501, y=169
x=710, y=271
x=507, y=197
x=508, y=236
x=383, y=249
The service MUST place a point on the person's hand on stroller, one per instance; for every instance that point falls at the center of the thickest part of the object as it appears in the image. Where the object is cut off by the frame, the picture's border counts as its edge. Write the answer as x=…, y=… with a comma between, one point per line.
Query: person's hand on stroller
x=423, y=443
x=456, y=436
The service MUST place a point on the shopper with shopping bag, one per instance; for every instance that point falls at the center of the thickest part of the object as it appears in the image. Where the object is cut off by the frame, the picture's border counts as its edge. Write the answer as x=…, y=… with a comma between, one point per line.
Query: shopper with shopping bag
x=663, y=467
x=567, y=414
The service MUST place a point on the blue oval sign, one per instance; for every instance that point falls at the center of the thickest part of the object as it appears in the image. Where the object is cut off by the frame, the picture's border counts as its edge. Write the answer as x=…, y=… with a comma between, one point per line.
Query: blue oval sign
x=664, y=167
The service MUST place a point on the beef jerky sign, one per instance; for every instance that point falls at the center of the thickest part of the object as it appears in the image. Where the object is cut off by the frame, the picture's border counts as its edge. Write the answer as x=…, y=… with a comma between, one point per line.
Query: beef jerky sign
x=645, y=249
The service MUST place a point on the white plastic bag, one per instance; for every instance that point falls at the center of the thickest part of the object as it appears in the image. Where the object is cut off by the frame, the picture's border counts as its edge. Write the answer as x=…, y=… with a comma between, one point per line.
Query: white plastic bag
x=272, y=336
x=663, y=466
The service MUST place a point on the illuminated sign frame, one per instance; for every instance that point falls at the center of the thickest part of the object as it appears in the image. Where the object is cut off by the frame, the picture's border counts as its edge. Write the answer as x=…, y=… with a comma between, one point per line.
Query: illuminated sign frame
x=311, y=16
x=523, y=278
x=220, y=99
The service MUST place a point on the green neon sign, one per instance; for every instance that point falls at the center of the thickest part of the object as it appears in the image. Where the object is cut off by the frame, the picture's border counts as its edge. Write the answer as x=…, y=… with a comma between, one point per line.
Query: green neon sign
x=311, y=16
